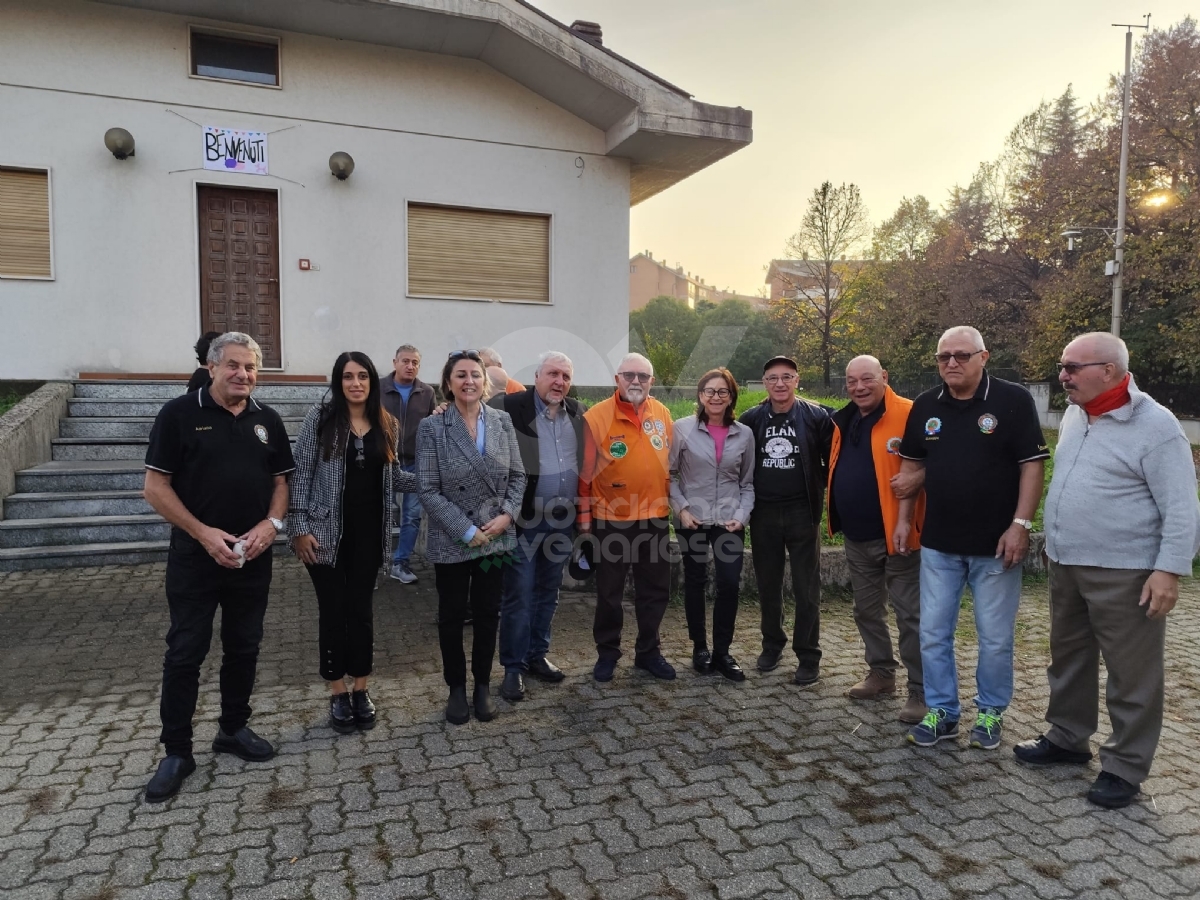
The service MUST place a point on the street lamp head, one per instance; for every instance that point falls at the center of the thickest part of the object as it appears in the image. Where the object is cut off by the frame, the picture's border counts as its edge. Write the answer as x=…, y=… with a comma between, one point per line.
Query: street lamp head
x=119, y=143
x=1072, y=233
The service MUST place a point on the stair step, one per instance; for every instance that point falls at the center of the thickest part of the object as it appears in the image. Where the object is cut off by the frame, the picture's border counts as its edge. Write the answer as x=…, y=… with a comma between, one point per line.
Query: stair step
x=83, y=530
x=68, y=504
x=93, y=450
x=165, y=390
x=96, y=407
x=115, y=428
x=76, y=555
x=74, y=475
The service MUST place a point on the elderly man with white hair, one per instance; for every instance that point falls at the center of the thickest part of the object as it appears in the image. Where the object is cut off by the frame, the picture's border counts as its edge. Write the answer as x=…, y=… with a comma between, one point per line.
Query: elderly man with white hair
x=980, y=443
x=549, y=427
x=1122, y=526
x=625, y=489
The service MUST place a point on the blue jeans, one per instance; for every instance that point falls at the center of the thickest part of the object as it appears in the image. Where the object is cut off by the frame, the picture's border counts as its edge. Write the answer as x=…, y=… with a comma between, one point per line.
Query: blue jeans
x=530, y=594
x=410, y=523
x=997, y=594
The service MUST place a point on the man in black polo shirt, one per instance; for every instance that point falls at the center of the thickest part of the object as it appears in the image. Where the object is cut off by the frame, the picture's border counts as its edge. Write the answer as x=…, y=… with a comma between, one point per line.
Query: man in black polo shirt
x=980, y=443
x=216, y=470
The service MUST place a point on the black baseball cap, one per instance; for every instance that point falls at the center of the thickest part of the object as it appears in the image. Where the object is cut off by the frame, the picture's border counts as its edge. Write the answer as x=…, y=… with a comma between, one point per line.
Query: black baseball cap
x=785, y=360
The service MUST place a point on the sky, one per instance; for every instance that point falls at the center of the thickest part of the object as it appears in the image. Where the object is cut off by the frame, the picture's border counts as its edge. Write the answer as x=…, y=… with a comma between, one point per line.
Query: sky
x=900, y=98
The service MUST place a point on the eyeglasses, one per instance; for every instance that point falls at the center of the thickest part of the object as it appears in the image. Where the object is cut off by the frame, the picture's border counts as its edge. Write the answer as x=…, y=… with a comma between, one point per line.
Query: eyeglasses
x=962, y=357
x=1073, y=368
x=465, y=354
x=709, y=393
x=852, y=383
x=786, y=378
x=640, y=377
x=361, y=459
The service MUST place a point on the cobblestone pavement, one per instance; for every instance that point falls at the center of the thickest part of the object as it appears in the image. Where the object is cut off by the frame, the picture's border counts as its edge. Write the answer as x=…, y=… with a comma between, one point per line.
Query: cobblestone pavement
x=697, y=788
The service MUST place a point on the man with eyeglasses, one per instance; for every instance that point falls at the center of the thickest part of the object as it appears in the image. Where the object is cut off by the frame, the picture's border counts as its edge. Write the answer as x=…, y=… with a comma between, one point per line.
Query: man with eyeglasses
x=624, y=491
x=792, y=438
x=1122, y=526
x=864, y=504
x=981, y=446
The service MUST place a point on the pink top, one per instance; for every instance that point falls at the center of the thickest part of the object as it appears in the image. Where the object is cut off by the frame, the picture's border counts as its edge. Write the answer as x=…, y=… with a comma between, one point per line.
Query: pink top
x=719, y=433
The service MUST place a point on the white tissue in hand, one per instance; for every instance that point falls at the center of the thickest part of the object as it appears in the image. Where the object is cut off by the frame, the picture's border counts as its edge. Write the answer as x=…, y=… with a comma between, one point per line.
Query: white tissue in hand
x=240, y=549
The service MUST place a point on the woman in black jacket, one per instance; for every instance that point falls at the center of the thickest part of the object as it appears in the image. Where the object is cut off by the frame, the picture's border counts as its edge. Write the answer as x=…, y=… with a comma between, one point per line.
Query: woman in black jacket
x=339, y=521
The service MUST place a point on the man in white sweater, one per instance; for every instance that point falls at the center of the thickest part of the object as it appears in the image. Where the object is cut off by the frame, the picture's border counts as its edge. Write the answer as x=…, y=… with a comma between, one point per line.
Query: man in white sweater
x=1122, y=526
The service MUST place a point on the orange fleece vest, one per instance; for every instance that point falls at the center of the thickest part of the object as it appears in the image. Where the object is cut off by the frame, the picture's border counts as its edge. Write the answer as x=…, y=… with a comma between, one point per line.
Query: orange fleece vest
x=626, y=473
x=885, y=453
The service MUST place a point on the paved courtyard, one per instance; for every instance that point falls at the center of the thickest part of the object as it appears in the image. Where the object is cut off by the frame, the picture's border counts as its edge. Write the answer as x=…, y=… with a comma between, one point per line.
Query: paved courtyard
x=697, y=788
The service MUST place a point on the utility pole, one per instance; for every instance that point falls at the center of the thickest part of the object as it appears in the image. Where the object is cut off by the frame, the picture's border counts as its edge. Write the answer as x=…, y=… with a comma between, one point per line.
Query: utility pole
x=1119, y=255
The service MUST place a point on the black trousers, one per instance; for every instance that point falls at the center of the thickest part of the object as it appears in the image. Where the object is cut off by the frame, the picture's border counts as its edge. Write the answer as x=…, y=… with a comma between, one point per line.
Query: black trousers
x=774, y=532
x=475, y=585
x=642, y=546
x=728, y=549
x=344, y=603
x=195, y=587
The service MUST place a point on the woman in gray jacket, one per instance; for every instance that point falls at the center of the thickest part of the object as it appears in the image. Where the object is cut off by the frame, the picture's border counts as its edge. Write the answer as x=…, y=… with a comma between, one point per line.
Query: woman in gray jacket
x=712, y=493
x=339, y=526
x=470, y=481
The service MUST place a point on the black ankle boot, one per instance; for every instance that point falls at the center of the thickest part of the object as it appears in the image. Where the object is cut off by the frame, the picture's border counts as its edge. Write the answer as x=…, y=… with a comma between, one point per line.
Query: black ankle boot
x=341, y=713
x=457, y=711
x=485, y=711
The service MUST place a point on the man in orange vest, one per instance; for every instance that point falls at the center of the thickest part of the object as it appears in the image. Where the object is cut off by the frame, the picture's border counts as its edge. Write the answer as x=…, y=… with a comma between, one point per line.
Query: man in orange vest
x=863, y=504
x=623, y=500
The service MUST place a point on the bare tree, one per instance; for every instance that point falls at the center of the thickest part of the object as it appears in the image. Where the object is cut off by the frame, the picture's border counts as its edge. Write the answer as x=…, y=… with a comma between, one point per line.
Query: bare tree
x=818, y=283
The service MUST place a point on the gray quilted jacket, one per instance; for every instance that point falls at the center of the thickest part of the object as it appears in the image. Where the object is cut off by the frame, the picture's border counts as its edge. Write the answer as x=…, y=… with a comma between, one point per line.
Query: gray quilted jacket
x=315, y=492
x=459, y=488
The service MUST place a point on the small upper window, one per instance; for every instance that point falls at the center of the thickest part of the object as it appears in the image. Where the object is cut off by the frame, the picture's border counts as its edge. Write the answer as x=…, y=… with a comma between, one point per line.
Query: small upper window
x=235, y=59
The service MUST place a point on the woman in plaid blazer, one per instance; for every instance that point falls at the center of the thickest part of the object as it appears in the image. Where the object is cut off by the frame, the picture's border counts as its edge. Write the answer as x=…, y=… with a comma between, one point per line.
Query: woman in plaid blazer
x=470, y=481
x=339, y=525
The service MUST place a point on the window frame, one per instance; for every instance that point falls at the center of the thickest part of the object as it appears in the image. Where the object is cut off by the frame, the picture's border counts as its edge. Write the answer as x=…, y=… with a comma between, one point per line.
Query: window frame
x=520, y=211
x=249, y=37
x=49, y=220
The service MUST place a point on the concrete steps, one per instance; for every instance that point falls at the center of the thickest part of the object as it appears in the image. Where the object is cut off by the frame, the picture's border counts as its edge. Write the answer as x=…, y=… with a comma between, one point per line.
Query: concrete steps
x=85, y=506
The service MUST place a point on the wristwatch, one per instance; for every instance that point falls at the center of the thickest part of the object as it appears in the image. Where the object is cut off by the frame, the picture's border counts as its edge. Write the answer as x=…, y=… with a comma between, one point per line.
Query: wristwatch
x=1024, y=523
x=277, y=524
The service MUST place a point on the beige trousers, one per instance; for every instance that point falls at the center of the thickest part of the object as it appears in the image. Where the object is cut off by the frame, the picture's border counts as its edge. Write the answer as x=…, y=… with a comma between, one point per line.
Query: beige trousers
x=1094, y=612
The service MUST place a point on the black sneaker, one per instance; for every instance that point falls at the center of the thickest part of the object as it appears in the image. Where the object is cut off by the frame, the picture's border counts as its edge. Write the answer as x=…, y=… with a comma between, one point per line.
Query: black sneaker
x=806, y=674
x=604, y=669
x=769, y=660
x=656, y=666
x=1112, y=791
x=1041, y=751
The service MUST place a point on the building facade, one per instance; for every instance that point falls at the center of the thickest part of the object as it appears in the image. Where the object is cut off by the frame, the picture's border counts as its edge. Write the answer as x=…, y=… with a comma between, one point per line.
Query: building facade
x=325, y=175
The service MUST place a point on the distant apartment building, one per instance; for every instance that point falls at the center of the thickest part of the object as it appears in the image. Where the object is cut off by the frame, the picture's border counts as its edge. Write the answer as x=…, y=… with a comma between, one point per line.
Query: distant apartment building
x=789, y=277
x=650, y=278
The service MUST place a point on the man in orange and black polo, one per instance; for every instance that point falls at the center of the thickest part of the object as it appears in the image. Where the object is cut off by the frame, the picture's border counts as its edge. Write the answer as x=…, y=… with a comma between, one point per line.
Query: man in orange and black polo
x=623, y=490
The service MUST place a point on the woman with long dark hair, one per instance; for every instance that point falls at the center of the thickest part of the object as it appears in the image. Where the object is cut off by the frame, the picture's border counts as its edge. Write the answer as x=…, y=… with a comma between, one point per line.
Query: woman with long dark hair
x=712, y=493
x=471, y=482
x=339, y=525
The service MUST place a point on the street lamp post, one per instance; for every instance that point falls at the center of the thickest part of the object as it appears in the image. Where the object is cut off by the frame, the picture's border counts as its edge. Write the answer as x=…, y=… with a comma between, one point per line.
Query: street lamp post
x=1119, y=241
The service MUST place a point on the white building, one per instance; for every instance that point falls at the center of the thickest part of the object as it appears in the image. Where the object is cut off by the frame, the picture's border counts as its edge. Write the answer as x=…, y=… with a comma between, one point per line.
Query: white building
x=496, y=154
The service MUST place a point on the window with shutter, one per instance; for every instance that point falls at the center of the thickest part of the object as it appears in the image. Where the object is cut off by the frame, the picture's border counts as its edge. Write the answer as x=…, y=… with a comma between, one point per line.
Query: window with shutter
x=24, y=224
x=476, y=254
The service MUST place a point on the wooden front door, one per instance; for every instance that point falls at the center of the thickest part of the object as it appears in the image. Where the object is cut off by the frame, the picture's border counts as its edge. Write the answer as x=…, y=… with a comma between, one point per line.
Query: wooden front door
x=239, y=265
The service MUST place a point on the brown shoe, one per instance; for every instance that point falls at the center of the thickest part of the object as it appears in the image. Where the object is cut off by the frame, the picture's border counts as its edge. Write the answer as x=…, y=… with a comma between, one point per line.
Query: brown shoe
x=915, y=709
x=873, y=686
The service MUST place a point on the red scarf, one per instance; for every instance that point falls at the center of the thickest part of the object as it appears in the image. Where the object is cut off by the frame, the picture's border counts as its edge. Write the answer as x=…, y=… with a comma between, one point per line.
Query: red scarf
x=1113, y=398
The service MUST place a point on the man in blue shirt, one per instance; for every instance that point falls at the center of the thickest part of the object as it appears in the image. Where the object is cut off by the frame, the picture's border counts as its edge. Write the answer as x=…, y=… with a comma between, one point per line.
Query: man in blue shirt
x=410, y=400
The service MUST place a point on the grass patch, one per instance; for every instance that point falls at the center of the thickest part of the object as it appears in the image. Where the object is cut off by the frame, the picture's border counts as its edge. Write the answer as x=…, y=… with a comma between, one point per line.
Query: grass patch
x=8, y=400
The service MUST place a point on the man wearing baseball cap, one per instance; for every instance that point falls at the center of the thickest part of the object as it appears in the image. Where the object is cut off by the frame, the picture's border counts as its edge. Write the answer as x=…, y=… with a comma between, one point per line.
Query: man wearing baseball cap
x=792, y=437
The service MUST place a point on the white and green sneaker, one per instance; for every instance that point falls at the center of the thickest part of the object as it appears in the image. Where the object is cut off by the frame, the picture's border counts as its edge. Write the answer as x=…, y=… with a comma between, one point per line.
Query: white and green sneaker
x=986, y=733
x=933, y=728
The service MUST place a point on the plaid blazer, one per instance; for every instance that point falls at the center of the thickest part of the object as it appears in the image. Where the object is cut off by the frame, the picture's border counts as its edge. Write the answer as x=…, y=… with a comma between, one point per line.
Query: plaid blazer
x=315, y=492
x=459, y=488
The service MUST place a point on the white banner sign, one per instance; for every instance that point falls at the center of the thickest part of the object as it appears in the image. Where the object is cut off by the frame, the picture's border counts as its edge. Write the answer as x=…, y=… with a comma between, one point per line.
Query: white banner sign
x=227, y=150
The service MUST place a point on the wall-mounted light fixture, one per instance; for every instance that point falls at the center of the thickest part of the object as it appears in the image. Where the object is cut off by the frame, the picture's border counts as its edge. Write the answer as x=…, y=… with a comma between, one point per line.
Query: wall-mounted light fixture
x=341, y=165
x=119, y=143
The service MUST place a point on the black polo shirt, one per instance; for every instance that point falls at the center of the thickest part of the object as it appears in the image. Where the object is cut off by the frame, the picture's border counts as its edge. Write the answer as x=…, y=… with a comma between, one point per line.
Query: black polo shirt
x=222, y=466
x=972, y=450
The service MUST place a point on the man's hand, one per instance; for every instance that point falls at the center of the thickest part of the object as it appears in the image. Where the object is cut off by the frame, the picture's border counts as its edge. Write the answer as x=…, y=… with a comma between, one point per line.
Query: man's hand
x=900, y=537
x=219, y=543
x=1161, y=591
x=1013, y=546
x=258, y=539
x=908, y=484
x=733, y=525
x=687, y=520
x=497, y=526
x=305, y=547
